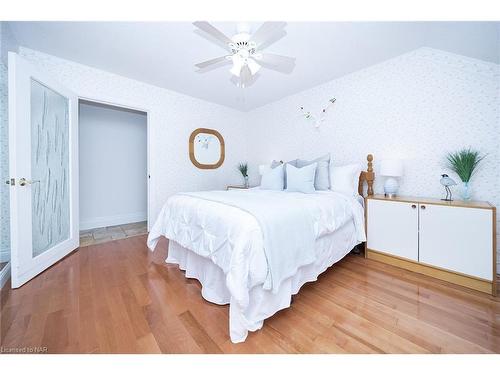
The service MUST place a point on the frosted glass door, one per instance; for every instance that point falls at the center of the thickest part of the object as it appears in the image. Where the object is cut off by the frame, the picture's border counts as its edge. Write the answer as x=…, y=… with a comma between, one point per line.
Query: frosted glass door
x=43, y=164
x=49, y=167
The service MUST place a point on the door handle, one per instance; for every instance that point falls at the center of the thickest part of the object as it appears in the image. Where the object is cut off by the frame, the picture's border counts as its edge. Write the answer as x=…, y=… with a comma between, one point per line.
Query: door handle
x=24, y=182
x=422, y=207
x=413, y=206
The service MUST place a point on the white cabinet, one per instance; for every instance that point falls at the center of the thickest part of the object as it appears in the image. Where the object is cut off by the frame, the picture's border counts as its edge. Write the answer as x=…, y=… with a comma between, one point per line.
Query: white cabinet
x=391, y=228
x=453, y=241
x=457, y=238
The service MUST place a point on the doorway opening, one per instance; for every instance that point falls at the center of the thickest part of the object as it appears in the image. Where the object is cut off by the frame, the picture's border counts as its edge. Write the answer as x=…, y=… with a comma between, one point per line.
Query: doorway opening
x=113, y=168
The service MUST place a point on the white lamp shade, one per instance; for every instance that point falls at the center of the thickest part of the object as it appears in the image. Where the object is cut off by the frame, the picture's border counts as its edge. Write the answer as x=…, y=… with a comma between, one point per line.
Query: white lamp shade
x=237, y=65
x=391, y=167
x=253, y=66
x=263, y=169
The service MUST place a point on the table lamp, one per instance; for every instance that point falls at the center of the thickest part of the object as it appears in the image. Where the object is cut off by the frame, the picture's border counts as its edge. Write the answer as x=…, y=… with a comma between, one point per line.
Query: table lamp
x=391, y=168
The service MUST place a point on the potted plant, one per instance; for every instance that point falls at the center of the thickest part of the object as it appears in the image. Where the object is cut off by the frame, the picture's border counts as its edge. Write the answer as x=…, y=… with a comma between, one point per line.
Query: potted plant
x=243, y=168
x=464, y=163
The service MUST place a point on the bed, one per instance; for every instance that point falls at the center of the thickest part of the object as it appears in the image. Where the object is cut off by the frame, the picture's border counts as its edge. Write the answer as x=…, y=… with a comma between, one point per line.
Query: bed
x=222, y=239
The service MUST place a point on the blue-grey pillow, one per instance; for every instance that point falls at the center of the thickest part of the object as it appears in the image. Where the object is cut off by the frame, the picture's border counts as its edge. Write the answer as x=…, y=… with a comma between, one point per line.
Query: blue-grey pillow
x=275, y=163
x=273, y=179
x=301, y=179
x=322, y=179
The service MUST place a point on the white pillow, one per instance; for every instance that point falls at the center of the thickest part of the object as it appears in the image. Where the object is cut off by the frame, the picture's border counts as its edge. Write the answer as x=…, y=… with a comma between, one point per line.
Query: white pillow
x=273, y=179
x=301, y=179
x=345, y=179
x=322, y=179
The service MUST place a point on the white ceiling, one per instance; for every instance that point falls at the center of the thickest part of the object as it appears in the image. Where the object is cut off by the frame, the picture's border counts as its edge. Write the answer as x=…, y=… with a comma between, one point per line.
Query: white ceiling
x=163, y=53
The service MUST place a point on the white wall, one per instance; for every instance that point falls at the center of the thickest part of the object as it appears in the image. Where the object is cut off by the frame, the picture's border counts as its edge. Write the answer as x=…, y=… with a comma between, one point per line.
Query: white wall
x=7, y=43
x=4, y=167
x=113, y=166
x=172, y=118
x=415, y=107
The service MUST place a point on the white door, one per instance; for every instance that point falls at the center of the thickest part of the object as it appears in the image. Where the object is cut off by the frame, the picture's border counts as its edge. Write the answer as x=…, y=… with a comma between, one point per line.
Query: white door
x=459, y=239
x=43, y=162
x=393, y=228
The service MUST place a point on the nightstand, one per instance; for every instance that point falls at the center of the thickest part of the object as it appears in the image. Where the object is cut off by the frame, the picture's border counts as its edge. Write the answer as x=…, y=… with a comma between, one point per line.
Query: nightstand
x=452, y=241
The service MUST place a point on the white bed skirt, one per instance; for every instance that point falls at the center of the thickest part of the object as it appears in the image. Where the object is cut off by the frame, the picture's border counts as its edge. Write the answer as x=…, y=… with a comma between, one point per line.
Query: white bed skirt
x=262, y=303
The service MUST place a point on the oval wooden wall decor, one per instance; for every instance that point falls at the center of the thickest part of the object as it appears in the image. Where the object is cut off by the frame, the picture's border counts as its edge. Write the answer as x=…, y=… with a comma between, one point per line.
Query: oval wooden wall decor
x=206, y=148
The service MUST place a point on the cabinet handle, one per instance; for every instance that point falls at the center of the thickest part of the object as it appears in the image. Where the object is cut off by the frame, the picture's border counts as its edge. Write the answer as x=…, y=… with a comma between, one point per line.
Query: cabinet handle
x=413, y=206
x=422, y=207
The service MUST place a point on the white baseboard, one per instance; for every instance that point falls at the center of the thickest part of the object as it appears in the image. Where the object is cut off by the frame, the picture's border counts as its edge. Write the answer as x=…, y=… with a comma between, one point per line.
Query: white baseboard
x=106, y=221
x=4, y=275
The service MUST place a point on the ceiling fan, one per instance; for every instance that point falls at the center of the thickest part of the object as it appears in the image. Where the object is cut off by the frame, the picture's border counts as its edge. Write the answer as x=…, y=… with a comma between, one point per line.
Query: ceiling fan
x=245, y=51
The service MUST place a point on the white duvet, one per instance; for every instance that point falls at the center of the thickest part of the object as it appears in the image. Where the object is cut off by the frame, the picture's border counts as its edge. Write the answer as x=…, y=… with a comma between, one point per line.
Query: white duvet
x=232, y=238
x=287, y=229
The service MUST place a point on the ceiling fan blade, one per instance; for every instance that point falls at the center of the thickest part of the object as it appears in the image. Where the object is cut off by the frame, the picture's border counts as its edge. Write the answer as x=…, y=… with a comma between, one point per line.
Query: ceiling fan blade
x=281, y=63
x=245, y=76
x=273, y=39
x=266, y=31
x=214, y=32
x=208, y=63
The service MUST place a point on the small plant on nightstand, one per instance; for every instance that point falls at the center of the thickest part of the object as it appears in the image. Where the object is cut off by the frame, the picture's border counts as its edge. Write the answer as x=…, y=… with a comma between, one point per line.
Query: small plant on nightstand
x=464, y=163
x=243, y=168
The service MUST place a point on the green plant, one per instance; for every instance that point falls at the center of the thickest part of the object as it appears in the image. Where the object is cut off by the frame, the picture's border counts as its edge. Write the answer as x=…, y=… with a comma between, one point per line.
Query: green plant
x=243, y=168
x=464, y=162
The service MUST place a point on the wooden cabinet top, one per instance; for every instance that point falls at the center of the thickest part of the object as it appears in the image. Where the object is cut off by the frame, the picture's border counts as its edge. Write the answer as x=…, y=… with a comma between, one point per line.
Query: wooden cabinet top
x=236, y=187
x=423, y=200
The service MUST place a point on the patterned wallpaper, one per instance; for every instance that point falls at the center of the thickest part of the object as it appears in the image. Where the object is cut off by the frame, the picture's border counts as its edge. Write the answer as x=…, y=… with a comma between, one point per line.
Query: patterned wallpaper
x=415, y=107
x=172, y=117
x=7, y=43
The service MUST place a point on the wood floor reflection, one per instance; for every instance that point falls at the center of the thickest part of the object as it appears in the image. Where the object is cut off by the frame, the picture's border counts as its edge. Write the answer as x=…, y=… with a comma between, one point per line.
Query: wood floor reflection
x=118, y=297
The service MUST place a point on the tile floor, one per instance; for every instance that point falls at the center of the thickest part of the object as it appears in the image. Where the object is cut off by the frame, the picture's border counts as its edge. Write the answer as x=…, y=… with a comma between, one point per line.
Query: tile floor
x=116, y=232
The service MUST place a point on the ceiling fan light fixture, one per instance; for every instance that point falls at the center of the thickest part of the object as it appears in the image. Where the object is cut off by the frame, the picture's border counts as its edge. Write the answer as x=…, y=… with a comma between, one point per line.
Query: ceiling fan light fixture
x=245, y=50
x=241, y=38
x=239, y=62
x=237, y=65
x=253, y=66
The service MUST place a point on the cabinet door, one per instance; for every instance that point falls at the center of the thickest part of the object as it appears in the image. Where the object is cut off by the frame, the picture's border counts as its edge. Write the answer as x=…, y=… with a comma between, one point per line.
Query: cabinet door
x=393, y=228
x=458, y=239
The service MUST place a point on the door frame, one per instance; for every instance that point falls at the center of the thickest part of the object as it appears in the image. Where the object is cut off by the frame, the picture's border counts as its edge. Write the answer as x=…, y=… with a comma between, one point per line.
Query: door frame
x=148, y=151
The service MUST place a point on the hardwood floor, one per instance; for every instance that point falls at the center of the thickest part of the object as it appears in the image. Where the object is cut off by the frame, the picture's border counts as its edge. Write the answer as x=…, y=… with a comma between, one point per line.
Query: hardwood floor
x=118, y=297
